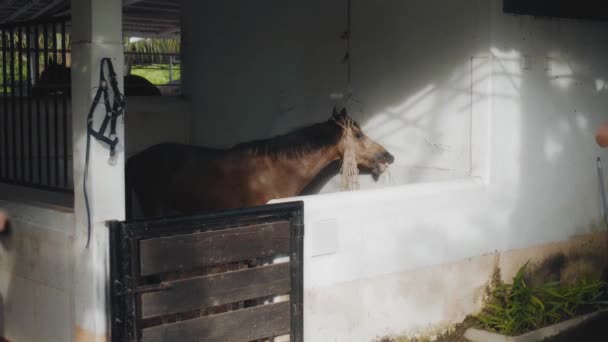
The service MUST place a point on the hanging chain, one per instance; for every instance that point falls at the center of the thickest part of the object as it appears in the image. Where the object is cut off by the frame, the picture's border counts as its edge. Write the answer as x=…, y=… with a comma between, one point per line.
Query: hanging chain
x=348, y=96
x=346, y=36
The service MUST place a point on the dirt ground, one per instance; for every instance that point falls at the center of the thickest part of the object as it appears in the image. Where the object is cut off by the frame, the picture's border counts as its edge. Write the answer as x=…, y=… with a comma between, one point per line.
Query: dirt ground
x=456, y=335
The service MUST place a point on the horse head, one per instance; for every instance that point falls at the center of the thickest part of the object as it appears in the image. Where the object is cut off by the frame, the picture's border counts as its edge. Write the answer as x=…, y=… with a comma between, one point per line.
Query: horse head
x=370, y=155
x=55, y=72
x=54, y=79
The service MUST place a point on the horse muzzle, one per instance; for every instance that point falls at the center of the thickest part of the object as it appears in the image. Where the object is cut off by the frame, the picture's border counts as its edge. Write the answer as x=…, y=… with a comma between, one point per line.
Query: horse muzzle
x=383, y=160
x=386, y=158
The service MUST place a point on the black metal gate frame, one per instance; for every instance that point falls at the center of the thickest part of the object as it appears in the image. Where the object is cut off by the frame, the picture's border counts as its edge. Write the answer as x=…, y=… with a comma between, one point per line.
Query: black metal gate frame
x=21, y=39
x=124, y=258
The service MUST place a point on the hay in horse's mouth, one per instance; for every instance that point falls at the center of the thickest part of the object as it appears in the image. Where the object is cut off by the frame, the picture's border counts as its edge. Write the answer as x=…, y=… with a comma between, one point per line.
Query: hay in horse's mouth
x=382, y=166
x=348, y=170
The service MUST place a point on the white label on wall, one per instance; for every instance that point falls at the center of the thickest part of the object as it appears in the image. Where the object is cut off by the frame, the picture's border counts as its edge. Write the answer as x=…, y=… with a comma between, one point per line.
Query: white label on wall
x=324, y=237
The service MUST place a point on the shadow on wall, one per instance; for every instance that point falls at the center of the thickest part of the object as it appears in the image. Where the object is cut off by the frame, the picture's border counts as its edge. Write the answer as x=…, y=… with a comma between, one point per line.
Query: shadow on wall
x=412, y=75
x=415, y=72
x=549, y=92
x=420, y=71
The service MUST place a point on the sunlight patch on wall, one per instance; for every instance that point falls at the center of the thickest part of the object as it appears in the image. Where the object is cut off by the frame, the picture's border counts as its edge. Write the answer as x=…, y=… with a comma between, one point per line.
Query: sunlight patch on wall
x=558, y=70
x=416, y=104
x=511, y=60
x=564, y=125
x=582, y=121
x=429, y=130
x=506, y=121
x=552, y=148
x=600, y=85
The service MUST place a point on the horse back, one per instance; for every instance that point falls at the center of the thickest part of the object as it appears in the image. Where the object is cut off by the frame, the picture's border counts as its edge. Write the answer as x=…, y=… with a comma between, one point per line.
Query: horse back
x=150, y=173
x=136, y=85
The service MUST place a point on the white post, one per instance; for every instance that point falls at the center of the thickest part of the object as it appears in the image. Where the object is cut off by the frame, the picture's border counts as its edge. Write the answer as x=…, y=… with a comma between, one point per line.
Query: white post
x=96, y=33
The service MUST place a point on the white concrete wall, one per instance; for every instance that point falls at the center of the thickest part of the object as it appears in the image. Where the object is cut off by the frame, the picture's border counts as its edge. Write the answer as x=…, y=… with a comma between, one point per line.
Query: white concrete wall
x=36, y=273
x=457, y=90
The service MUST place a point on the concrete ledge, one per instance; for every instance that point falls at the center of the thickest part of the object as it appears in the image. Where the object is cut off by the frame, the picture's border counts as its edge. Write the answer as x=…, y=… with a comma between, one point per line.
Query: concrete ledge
x=52, y=200
x=478, y=335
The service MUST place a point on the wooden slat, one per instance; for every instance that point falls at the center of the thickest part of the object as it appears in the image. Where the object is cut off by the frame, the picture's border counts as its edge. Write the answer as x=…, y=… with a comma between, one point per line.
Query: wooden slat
x=185, y=252
x=218, y=289
x=235, y=326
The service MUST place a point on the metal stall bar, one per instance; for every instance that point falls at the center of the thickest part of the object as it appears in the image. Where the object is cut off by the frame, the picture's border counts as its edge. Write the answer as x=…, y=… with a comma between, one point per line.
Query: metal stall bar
x=64, y=109
x=5, y=161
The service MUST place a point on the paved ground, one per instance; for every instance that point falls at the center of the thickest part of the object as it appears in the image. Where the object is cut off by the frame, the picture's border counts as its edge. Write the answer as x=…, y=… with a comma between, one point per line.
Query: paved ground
x=595, y=329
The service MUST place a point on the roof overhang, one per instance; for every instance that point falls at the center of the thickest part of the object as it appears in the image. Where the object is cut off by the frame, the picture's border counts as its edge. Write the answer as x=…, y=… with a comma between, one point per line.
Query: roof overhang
x=141, y=18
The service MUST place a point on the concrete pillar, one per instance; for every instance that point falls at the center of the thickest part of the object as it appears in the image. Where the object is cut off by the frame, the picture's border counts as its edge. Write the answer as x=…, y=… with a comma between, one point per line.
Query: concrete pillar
x=96, y=33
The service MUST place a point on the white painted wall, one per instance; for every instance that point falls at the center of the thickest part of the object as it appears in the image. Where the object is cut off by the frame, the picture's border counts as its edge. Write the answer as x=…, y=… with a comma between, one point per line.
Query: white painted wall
x=259, y=69
x=501, y=108
x=36, y=272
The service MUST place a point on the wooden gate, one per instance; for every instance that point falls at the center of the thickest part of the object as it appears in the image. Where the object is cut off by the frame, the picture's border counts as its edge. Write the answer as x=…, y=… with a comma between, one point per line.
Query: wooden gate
x=229, y=276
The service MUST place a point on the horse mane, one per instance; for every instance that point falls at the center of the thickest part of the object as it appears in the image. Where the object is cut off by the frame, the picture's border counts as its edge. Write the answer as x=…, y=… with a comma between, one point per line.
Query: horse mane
x=296, y=142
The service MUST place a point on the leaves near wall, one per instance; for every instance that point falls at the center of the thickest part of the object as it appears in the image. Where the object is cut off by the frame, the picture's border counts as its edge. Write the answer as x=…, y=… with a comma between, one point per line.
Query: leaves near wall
x=517, y=308
x=152, y=50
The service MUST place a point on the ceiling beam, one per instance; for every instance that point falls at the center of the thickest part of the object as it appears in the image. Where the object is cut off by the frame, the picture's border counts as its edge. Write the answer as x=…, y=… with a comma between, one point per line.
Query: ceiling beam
x=47, y=8
x=64, y=12
x=20, y=11
x=163, y=14
x=126, y=3
x=7, y=3
x=164, y=2
x=171, y=32
x=155, y=9
x=151, y=20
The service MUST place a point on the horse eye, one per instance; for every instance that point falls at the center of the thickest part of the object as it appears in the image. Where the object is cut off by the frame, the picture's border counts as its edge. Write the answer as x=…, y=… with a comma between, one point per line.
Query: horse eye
x=358, y=135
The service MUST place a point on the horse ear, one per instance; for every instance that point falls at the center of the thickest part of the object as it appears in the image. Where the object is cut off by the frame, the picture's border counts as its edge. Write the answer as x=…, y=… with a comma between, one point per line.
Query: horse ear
x=334, y=113
x=340, y=115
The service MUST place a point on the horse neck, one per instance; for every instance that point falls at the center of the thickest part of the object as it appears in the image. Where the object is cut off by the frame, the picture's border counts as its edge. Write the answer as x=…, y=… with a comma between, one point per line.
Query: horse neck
x=302, y=169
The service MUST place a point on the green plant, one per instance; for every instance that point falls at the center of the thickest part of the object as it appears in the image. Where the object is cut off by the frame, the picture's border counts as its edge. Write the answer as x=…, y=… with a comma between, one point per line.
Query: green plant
x=157, y=74
x=152, y=46
x=518, y=308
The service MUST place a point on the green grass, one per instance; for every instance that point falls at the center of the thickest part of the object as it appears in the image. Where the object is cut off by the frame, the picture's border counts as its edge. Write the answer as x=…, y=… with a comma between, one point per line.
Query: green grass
x=158, y=74
x=517, y=308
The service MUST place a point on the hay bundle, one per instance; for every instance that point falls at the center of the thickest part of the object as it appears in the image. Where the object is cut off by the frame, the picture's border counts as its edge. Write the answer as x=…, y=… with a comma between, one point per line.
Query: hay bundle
x=348, y=170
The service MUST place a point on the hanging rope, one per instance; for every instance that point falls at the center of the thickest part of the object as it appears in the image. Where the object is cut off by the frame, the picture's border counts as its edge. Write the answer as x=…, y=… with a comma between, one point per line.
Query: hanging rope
x=349, y=180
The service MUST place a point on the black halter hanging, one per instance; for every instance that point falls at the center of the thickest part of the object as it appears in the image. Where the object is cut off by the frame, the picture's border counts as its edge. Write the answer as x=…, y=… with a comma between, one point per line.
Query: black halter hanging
x=113, y=111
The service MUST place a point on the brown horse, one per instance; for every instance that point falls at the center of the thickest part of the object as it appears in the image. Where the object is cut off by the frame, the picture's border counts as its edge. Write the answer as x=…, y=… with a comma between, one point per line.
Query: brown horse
x=173, y=178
